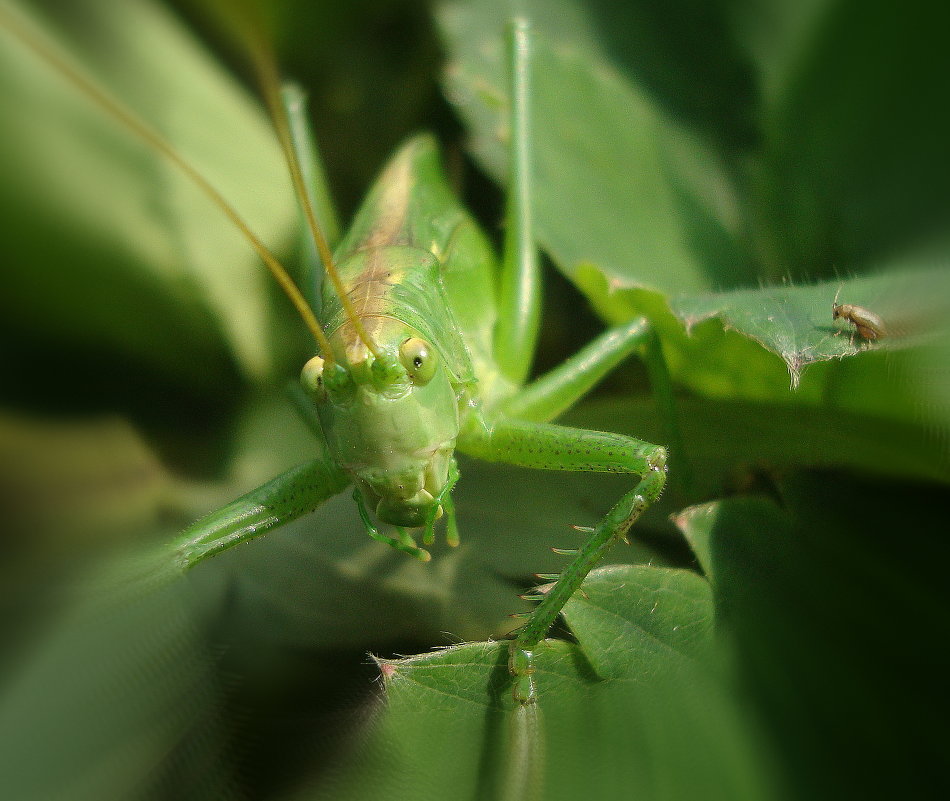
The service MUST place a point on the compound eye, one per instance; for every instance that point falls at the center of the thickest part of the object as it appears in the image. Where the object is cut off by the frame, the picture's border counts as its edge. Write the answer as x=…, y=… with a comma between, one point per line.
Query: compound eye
x=419, y=360
x=311, y=377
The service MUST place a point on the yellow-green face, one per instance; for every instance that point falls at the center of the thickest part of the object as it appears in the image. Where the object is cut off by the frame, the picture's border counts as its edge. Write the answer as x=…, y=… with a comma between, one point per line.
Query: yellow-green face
x=391, y=422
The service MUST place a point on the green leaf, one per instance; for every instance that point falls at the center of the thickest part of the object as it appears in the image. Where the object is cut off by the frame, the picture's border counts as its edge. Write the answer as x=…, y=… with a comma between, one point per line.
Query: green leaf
x=795, y=322
x=71, y=487
x=115, y=246
x=664, y=611
x=696, y=523
x=832, y=615
x=618, y=184
x=117, y=695
x=852, y=169
x=730, y=441
x=662, y=724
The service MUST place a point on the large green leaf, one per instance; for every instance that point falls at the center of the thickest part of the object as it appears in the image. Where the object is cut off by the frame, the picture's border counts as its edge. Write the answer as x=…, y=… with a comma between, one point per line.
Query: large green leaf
x=619, y=184
x=832, y=600
x=651, y=717
x=116, y=247
x=852, y=169
x=727, y=442
x=117, y=695
x=795, y=322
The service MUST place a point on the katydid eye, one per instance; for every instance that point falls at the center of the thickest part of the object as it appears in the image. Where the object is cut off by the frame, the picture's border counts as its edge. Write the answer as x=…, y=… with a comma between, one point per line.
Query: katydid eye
x=312, y=378
x=419, y=360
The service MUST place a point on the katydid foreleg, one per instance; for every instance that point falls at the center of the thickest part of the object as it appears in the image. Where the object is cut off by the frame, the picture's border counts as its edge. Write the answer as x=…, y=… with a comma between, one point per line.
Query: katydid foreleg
x=551, y=447
x=293, y=494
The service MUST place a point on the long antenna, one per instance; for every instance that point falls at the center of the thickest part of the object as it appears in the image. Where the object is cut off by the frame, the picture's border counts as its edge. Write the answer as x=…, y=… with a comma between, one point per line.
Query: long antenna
x=137, y=127
x=264, y=63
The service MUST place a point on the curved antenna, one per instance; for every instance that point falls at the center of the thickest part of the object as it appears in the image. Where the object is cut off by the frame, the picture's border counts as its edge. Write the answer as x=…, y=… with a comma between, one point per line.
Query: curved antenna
x=150, y=136
x=264, y=64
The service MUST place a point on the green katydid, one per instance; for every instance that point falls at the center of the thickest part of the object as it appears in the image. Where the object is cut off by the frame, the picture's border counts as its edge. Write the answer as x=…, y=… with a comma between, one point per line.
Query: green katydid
x=424, y=350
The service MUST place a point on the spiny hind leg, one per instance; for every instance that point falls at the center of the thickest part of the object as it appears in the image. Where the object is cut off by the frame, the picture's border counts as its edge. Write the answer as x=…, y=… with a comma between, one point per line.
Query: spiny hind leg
x=552, y=447
x=558, y=390
x=612, y=528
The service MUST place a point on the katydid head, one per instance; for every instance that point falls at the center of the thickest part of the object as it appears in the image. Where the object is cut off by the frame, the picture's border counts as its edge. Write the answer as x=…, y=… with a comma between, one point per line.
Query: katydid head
x=391, y=419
